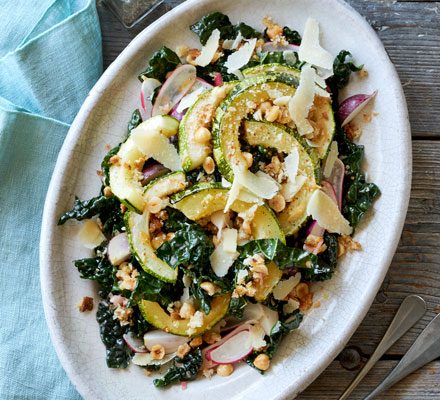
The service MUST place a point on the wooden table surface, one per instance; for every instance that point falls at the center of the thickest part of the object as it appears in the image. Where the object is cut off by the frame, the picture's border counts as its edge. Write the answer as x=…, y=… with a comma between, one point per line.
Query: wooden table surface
x=410, y=31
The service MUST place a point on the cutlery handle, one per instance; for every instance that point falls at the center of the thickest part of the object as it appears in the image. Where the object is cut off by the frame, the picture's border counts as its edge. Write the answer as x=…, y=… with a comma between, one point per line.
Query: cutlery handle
x=425, y=349
x=409, y=312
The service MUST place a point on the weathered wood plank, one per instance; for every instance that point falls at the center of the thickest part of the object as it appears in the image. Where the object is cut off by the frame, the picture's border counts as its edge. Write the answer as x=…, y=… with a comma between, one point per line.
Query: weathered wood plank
x=410, y=32
x=416, y=265
x=422, y=385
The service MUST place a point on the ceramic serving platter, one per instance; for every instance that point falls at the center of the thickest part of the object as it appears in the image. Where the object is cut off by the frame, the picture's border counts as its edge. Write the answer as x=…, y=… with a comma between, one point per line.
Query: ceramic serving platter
x=344, y=300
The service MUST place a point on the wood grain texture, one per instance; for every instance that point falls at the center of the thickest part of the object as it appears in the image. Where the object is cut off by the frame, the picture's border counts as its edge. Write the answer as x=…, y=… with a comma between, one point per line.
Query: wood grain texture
x=410, y=31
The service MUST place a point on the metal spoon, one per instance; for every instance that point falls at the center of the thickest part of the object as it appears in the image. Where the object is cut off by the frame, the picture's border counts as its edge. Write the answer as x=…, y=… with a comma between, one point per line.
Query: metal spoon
x=409, y=312
x=425, y=349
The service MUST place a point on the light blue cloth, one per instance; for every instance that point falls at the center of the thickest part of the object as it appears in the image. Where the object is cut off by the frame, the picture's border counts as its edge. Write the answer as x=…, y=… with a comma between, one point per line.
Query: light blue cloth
x=50, y=57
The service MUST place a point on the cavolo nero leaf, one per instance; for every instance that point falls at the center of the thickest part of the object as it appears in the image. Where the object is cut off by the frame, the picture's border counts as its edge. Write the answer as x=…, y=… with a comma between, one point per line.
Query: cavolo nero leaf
x=185, y=369
x=293, y=37
x=280, y=330
x=343, y=66
x=163, y=61
x=97, y=269
x=118, y=353
x=359, y=194
x=216, y=20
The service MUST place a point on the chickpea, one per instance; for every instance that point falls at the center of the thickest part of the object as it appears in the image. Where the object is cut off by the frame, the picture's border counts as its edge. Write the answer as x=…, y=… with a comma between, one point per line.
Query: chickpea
x=262, y=362
x=225, y=369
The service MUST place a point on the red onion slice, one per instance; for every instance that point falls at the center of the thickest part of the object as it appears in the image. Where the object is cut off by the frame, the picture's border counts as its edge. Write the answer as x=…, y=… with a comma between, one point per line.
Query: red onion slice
x=152, y=172
x=218, y=79
x=134, y=343
x=336, y=179
x=174, y=88
x=352, y=106
x=148, y=87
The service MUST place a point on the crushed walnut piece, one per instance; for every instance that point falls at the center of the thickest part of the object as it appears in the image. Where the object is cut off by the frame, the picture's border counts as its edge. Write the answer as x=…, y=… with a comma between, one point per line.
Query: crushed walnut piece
x=196, y=342
x=211, y=337
x=346, y=243
x=208, y=372
x=86, y=304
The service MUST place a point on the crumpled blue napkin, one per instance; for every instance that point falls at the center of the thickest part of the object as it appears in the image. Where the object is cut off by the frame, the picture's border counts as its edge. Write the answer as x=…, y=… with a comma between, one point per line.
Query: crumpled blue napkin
x=50, y=57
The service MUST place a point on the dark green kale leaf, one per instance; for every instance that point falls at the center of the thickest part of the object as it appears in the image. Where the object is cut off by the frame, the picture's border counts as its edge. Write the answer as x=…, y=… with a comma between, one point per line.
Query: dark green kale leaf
x=189, y=246
x=97, y=269
x=107, y=208
x=260, y=154
x=327, y=261
x=236, y=307
x=208, y=73
x=216, y=20
x=293, y=37
x=135, y=121
x=105, y=164
x=185, y=369
x=151, y=288
x=280, y=330
x=199, y=175
x=359, y=194
x=343, y=66
x=162, y=62
x=140, y=324
x=118, y=353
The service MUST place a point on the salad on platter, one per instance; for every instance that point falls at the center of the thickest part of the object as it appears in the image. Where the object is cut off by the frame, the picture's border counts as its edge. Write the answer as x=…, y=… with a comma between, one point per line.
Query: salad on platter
x=236, y=187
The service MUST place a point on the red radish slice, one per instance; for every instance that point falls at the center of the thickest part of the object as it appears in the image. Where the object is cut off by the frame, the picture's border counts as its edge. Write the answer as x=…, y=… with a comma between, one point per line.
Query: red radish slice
x=207, y=350
x=352, y=106
x=218, y=79
x=174, y=88
x=269, y=46
x=118, y=249
x=336, y=179
x=200, y=86
x=315, y=230
x=232, y=350
x=202, y=83
x=147, y=89
x=134, y=343
x=178, y=115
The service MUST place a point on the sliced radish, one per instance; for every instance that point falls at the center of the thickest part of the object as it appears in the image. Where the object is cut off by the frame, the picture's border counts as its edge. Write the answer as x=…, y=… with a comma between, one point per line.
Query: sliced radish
x=167, y=340
x=352, y=106
x=218, y=79
x=232, y=350
x=189, y=99
x=315, y=230
x=148, y=87
x=330, y=160
x=336, y=179
x=134, y=343
x=118, y=249
x=176, y=114
x=174, y=88
x=271, y=47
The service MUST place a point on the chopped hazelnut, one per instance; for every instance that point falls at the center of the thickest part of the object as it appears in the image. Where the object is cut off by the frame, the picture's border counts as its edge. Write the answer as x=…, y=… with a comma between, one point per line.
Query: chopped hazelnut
x=209, y=165
x=154, y=204
x=202, y=135
x=86, y=304
x=302, y=290
x=157, y=352
x=272, y=114
x=158, y=240
x=107, y=191
x=211, y=337
x=123, y=208
x=192, y=55
x=196, y=342
x=277, y=203
x=183, y=350
x=187, y=311
x=208, y=372
x=262, y=362
x=210, y=288
x=225, y=369
x=265, y=107
x=115, y=160
x=182, y=51
x=249, y=159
